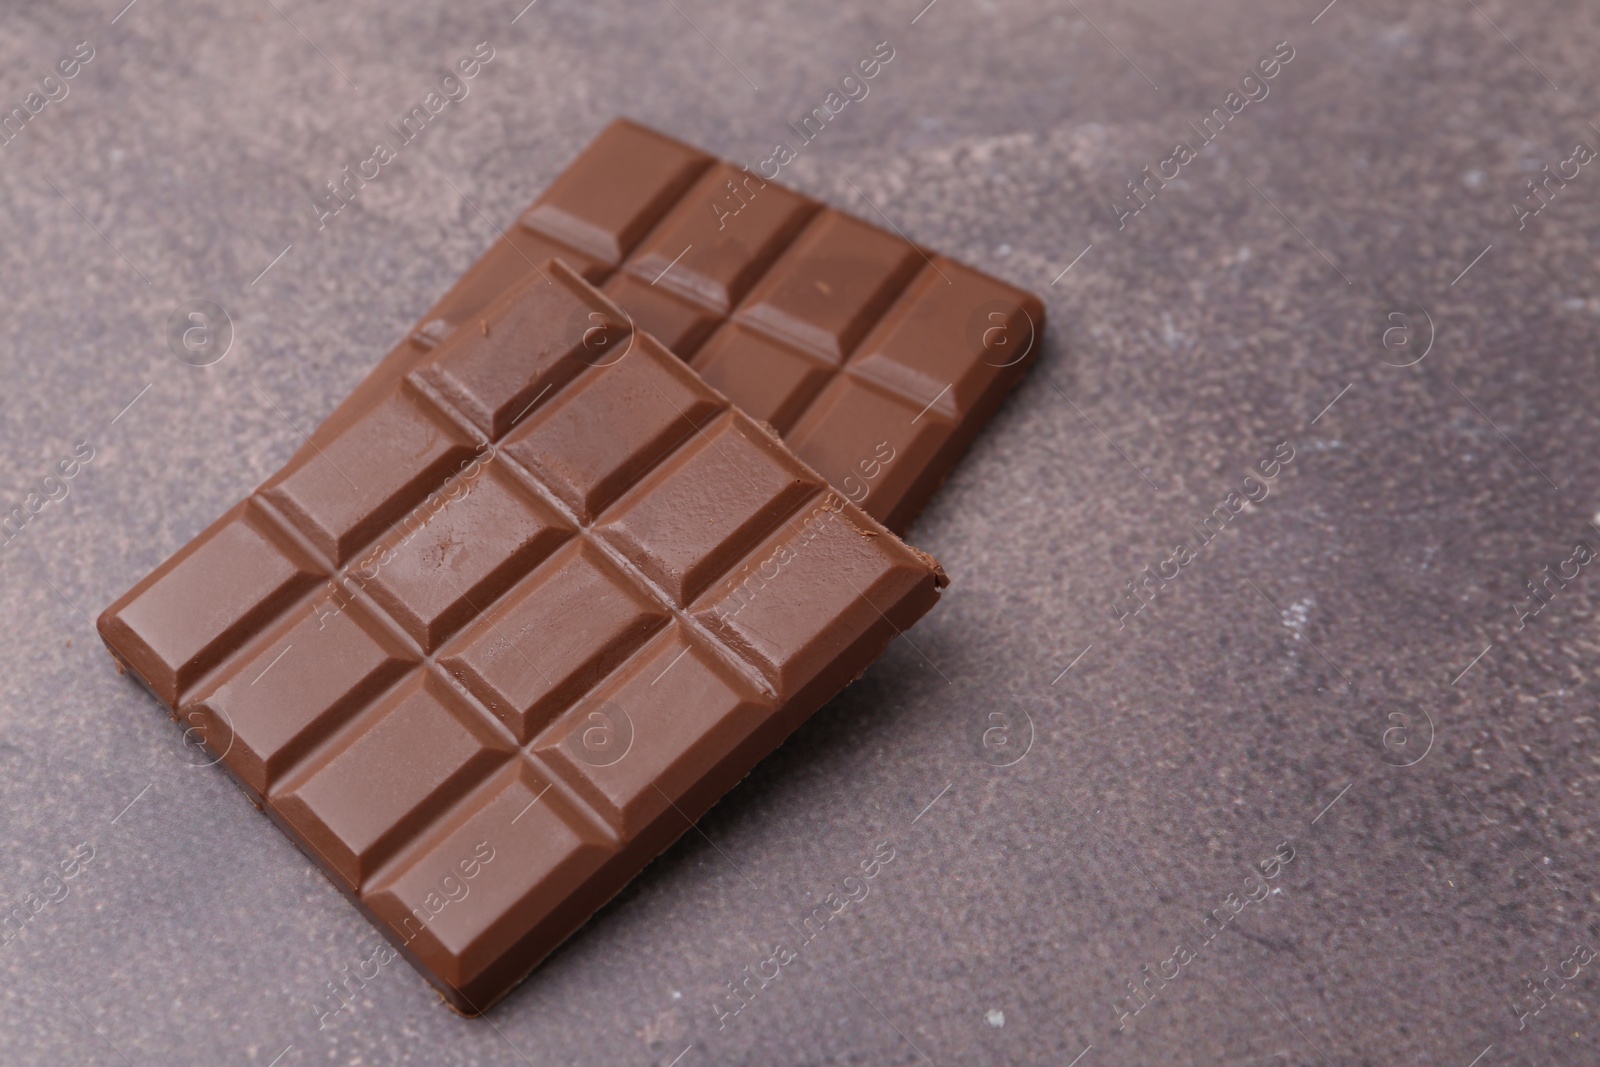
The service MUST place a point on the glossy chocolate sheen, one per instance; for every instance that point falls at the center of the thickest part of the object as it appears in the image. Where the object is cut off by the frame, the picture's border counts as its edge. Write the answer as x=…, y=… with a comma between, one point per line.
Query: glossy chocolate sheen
x=496, y=639
x=877, y=361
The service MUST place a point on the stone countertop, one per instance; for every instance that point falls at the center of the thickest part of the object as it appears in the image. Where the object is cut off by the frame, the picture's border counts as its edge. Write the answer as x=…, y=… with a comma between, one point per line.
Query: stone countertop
x=1341, y=276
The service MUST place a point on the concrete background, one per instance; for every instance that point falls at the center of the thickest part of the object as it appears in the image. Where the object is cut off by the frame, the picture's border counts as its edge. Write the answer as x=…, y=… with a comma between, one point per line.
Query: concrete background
x=1365, y=615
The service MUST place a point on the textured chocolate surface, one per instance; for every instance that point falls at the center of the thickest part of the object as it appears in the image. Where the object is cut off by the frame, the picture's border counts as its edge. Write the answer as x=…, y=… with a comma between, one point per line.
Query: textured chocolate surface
x=878, y=361
x=542, y=602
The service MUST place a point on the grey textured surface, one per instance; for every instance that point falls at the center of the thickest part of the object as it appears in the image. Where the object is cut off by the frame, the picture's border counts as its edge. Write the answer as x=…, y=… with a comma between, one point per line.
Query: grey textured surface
x=1264, y=698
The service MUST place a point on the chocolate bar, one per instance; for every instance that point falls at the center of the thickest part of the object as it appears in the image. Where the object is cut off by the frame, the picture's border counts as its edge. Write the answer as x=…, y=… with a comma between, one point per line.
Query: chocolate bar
x=505, y=629
x=877, y=361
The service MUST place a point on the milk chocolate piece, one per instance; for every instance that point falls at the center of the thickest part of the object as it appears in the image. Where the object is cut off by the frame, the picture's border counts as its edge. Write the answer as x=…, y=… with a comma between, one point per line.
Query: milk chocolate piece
x=877, y=361
x=492, y=641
